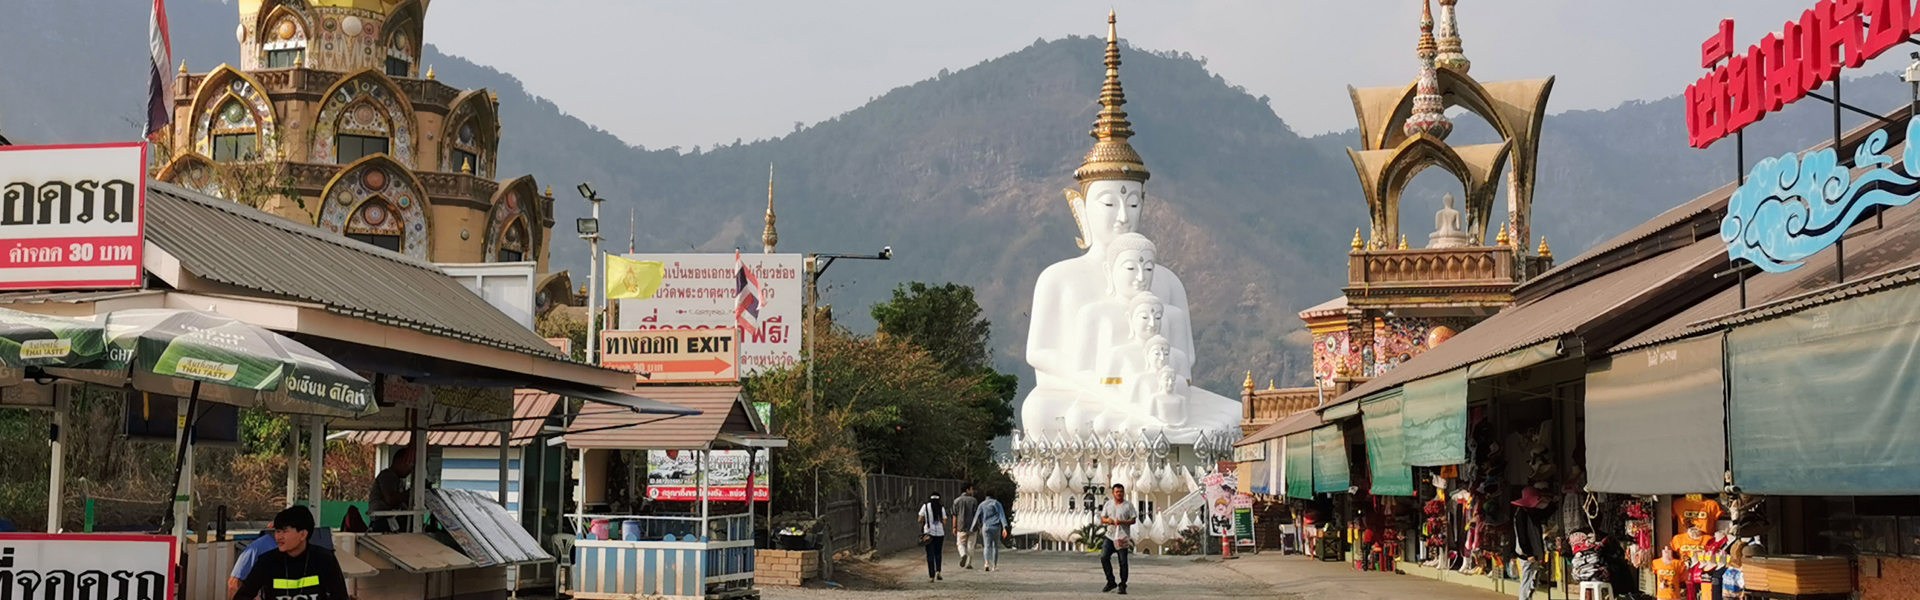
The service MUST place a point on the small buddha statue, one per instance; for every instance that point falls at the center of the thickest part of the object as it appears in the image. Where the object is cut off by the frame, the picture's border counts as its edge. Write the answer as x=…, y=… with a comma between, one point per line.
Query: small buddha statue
x=1447, y=232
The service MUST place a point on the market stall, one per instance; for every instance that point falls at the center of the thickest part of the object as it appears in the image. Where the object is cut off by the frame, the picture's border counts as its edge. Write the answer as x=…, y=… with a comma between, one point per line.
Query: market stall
x=700, y=548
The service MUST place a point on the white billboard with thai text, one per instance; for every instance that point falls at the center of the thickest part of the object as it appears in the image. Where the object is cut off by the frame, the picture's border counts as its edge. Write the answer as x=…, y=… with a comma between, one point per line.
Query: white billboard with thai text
x=698, y=291
x=72, y=217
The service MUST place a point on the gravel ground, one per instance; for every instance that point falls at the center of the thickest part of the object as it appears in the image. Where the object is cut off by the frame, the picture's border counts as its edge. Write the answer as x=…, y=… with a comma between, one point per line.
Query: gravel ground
x=1025, y=574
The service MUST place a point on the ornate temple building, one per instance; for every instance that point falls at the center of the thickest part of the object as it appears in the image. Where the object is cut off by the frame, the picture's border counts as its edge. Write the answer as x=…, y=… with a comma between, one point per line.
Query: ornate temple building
x=1401, y=300
x=330, y=119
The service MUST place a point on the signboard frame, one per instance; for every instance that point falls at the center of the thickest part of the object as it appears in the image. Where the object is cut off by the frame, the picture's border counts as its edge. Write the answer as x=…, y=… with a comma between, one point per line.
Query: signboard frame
x=699, y=291
x=669, y=355
x=83, y=561
x=686, y=488
x=68, y=246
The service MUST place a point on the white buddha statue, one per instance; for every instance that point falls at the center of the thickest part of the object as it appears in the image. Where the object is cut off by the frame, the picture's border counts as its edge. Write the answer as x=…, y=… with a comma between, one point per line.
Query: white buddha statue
x=1447, y=232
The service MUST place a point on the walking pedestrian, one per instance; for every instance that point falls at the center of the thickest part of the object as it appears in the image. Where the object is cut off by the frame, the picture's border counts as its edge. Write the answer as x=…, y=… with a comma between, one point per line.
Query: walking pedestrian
x=933, y=533
x=963, y=525
x=1118, y=516
x=992, y=518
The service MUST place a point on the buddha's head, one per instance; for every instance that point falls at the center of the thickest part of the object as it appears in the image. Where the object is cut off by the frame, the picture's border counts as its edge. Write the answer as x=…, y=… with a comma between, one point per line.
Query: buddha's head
x=1130, y=263
x=1145, y=316
x=1167, y=380
x=1112, y=208
x=1159, y=353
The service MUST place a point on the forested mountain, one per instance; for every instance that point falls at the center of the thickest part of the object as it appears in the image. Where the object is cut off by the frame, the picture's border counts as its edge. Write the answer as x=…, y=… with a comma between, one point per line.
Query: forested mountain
x=961, y=173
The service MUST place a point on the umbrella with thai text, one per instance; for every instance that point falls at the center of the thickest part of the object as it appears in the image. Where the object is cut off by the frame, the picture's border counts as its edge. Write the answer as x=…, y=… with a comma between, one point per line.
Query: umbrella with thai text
x=31, y=340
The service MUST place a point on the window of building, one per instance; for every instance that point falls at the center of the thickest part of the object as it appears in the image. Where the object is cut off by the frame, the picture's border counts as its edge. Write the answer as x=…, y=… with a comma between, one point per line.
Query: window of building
x=513, y=243
x=235, y=146
x=283, y=59
x=349, y=147
x=398, y=67
x=390, y=242
x=511, y=255
x=466, y=161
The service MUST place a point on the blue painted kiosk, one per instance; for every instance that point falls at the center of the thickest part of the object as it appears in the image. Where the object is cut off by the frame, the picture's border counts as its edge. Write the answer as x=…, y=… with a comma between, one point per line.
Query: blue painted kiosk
x=700, y=548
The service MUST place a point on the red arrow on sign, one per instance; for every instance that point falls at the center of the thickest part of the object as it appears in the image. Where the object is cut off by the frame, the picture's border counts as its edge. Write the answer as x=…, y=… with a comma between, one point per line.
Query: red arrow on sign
x=705, y=365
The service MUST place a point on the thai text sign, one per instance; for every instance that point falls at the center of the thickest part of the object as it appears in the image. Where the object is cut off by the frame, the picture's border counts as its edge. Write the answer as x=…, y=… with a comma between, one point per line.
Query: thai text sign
x=88, y=566
x=71, y=217
x=1792, y=207
x=1804, y=55
x=676, y=476
x=698, y=291
x=673, y=355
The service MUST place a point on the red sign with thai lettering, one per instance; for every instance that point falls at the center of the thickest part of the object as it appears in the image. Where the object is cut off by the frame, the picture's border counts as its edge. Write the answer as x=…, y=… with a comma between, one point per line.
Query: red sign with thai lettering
x=1780, y=70
x=72, y=217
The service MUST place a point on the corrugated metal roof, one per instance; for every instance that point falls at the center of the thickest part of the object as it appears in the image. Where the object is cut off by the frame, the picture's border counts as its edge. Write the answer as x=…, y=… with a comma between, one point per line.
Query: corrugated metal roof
x=722, y=410
x=77, y=297
x=226, y=242
x=484, y=529
x=528, y=408
x=1553, y=316
x=1292, y=424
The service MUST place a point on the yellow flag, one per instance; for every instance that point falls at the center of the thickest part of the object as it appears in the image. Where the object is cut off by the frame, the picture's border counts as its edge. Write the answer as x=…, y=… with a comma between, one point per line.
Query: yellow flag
x=633, y=279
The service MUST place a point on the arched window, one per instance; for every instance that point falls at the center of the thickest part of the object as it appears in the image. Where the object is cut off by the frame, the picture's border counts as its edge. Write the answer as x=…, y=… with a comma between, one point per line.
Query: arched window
x=284, y=42
x=376, y=223
x=364, y=115
x=236, y=135
x=361, y=132
x=513, y=242
x=466, y=149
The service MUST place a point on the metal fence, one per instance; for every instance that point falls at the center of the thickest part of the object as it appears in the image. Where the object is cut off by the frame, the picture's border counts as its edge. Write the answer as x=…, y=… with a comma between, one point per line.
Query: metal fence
x=892, y=508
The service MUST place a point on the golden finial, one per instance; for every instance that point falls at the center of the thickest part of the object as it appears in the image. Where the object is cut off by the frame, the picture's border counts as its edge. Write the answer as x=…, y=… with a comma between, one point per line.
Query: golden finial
x=549, y=190
x=1112, y=157
x=770, y=236
x=494, y=96
x=1544, y=251
x=429, y=71
x=1502, y=239
x=1403, y=241
x=183, y=66
x=1249, y=384
x=466, y=166
x=1270, y=385
x=1450, y=55
x=1357, y=244
x=1427, y=48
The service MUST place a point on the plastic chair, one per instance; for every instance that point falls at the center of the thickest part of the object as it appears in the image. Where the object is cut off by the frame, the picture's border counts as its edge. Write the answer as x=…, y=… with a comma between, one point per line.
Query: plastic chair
x=1596, y=590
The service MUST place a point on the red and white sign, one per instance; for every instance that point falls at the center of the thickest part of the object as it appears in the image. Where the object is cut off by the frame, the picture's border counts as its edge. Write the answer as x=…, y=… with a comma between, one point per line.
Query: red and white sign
x=719, y=494
x=1799, y=58
x=72, y=217
x=675, y=475
x=91, y=566
x=699, y=291
x=673, y=355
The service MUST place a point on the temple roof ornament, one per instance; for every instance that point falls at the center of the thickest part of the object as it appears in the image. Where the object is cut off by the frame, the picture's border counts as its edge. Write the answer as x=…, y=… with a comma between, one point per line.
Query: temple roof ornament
x=1544, y=251
x=1451, y=57
x=1248, y=385
x=1502, y=240
x=1112, y=157
x=1429, y=109
x=769, y=237
x=1357, y=242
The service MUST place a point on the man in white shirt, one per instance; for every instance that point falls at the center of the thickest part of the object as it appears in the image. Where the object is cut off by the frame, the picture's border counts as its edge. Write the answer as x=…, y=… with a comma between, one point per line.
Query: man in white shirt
x=1118, y=516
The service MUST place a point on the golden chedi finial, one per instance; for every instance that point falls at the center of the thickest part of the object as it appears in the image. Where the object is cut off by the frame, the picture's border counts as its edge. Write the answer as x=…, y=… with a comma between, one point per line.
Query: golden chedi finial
x=1544, y=251
x=466, y=166
x=1428, y=114
x=549, y=190
x=769, y=237
x=183, y=66
x=1248, y=386
x=1270, y=385
x=1403, y=241
x=1112, y=157
x=429, y=71
x=1450, y=56
x=1357, y=244
x=1502, y=240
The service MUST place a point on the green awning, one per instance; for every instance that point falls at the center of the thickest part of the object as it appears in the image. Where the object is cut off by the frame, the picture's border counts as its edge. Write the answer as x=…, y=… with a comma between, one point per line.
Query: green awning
x=1386, y=448
x=1821, y=402
x=1330, y=461
x=1300, y=465
x=1656, y=419
x=1434, y=419
x=1340, y=411
x=1515, y=360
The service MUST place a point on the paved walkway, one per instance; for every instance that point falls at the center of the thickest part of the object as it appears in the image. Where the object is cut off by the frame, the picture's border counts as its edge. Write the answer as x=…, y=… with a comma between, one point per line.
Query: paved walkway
x=1048, y=575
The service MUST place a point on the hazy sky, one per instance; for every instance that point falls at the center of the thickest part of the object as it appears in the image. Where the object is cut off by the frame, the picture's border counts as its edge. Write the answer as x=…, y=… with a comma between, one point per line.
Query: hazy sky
x=686, y=72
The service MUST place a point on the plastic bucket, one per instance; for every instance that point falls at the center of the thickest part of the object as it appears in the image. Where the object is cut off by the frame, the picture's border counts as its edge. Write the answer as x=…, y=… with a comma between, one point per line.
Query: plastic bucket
x=630, y=531
x=602, y=529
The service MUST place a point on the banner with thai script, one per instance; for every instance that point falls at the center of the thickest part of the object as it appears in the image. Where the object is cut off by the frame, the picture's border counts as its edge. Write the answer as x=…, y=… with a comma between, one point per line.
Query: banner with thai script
x=88, y=566
x=675, y=475
x=72, y=217
x=698, y=291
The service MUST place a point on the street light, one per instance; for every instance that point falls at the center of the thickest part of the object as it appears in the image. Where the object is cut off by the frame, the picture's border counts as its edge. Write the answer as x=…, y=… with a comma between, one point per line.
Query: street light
x=816, y=266
x=1912, y=77
x=589, y=229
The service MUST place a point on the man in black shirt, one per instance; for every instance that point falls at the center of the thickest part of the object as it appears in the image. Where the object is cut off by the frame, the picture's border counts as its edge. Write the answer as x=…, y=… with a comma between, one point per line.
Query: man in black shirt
x=295, y=570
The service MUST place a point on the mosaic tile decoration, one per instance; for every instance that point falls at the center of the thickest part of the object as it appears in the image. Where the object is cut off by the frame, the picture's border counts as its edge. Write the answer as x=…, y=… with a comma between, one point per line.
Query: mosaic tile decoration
x=377, y=181
x=365, y=104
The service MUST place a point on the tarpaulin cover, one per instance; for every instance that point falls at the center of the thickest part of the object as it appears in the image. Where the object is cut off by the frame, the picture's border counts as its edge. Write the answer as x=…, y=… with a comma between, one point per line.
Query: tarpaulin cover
x=1386, y=451
x=1254, y=474
x=1434, y=419
x=1823, y=400
x=1656, y=419
x=1300, y=465
x=1515, y=360
x=1340, y=411
x=1330, y=460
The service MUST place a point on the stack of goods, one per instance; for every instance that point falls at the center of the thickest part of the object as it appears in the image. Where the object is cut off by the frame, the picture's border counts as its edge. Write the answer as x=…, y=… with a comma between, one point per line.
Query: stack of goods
x=1588, y=564
x=1799, y=575
x=1640, y=526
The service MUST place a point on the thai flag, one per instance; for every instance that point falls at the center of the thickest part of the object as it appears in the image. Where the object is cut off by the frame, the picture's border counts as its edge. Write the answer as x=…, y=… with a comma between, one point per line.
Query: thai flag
x=746, y=295
x=160, y=85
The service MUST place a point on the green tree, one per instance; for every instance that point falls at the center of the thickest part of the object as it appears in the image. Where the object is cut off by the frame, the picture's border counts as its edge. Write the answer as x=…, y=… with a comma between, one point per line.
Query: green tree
x=946, y=321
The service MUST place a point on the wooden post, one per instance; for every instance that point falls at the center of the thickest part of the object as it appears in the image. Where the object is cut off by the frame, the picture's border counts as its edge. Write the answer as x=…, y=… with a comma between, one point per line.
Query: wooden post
x=56, y=472
x=506, y=458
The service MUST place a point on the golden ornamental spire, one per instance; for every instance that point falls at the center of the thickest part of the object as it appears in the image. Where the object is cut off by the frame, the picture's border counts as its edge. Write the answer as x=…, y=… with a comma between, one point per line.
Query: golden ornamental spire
x=770, y=236
x=1249, y=384
x=466, y=166
x=1544, y=251
x=1357, y=244
x=1270, y=385
x=183, y=66
x=429, y=71
x=1112, y=157
x=549, y=190
x=1403, y=241
x=1450, y=55
x=1429, y=107
x=1502, y=240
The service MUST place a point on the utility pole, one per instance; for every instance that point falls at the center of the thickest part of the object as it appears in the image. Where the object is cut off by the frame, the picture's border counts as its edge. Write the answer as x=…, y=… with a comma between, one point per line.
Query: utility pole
x=589, y=230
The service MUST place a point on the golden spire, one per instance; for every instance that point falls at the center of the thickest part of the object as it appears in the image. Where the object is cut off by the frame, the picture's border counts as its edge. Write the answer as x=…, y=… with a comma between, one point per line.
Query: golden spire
x=1357, y=244
x=1112, y=157
x=769, y=237
x=1270, y=385
x=1403, y=241
x=429, y=71
x=1450, y=56
x=183, y=66
x=1427, y=48
x=549, y=190
x=1502, y=239
x=1544, y=251
x=1249, y=384
x=466, y=166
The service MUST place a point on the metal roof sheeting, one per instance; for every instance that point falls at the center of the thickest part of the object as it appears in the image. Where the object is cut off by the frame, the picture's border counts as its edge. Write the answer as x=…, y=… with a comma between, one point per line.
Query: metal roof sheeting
x=529, y=409
x=1291, y=424
x=721, y=410
x=228, y=243
x=484, y=529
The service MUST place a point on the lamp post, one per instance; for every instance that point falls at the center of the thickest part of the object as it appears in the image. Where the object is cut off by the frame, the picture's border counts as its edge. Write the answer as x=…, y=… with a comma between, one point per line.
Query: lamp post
x=1912, y=77
x=817, y=265
x=589, y=229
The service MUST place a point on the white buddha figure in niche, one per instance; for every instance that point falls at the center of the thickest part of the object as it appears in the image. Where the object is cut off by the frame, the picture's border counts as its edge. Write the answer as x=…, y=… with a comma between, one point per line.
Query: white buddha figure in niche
x=1447, y=232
